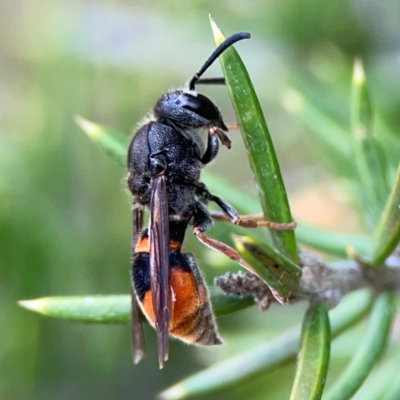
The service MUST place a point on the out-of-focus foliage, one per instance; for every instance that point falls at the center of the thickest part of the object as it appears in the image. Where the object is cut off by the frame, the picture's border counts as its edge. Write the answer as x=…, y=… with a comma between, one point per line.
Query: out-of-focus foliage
x=64, y=213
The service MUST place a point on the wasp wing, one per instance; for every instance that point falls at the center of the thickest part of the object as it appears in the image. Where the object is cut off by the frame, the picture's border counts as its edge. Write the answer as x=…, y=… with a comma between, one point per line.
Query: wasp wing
x=137, y=340
x=159, y=263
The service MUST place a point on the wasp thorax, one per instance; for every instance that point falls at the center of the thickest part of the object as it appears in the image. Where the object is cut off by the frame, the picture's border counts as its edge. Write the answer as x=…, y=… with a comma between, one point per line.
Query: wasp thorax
x=188, y=110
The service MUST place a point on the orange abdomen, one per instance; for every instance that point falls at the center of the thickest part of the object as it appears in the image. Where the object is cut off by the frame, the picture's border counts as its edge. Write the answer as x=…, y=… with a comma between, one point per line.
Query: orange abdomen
x=191, y=317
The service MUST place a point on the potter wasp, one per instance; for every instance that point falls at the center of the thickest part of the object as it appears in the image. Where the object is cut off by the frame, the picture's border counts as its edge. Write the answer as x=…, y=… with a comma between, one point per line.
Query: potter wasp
x=165, y=159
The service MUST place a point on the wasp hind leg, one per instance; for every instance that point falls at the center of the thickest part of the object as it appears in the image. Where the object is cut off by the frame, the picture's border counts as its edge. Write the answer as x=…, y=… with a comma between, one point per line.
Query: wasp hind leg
x=203, y=223
x=137, y=339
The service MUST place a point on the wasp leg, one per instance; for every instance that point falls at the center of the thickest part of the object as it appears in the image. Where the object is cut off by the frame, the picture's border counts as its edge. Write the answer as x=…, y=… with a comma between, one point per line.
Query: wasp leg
x=215, y=130
x=212, y=149
x=246, y=221
x=202, y=223
x=233, y=127
x=254, y=221
x=157, y=164
x=137, y=224
x=220, y=216
x=137, y=340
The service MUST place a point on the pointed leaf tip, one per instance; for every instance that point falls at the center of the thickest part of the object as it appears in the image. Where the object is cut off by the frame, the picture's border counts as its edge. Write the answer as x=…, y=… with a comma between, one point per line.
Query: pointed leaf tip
x=358, y=72
x=90, y=128
x=218, y=35
x=112, y=142
x=34, y=305
x=174, y=392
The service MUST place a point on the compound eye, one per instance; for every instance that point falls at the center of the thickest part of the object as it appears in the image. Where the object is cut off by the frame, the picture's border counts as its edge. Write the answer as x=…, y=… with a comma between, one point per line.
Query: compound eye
x=201, y=105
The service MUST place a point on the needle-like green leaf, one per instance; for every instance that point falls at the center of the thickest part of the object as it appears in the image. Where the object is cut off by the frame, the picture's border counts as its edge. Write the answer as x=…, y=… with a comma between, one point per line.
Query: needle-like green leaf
x=103, y=309
x=370, y=160
x=369, y=350
x=261, y=153
x=313, y=358
x=387, y=234
x=115, y=308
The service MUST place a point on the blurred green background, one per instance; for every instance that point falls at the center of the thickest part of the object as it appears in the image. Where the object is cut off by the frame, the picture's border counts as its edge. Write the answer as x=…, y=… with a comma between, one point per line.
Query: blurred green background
x=64, y=211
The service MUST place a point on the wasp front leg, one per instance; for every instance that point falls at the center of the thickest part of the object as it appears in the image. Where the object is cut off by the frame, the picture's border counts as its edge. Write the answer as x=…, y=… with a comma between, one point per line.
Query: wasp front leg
x=212, y=149
x=247, y=221
x=232, y=127
x=215, y=133
x=223, y=137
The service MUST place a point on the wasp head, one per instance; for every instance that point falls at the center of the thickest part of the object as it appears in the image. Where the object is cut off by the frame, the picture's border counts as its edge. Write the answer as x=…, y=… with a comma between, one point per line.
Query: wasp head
x=188, y=109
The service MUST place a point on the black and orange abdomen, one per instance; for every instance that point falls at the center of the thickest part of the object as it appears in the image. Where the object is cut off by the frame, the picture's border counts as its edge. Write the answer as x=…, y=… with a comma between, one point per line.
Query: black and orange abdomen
x=191, y=317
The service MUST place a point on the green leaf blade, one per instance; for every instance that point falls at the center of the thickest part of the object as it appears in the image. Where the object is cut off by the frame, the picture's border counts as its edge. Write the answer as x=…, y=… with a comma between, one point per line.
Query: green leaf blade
x=115, y=308
x=370, y=160
x=100, y=309
x=262, y=157
x=313, y=359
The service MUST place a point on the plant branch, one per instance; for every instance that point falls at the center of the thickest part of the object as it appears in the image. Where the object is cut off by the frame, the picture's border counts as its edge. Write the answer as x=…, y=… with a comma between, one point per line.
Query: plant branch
x=320, y=281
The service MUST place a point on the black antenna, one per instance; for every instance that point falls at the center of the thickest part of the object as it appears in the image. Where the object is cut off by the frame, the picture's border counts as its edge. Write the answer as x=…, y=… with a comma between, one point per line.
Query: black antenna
x=217, y=52
x=211, y=81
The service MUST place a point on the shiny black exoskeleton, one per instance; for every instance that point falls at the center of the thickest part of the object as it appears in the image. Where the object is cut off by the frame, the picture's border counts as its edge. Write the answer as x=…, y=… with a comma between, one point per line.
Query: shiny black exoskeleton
x=171, y=145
